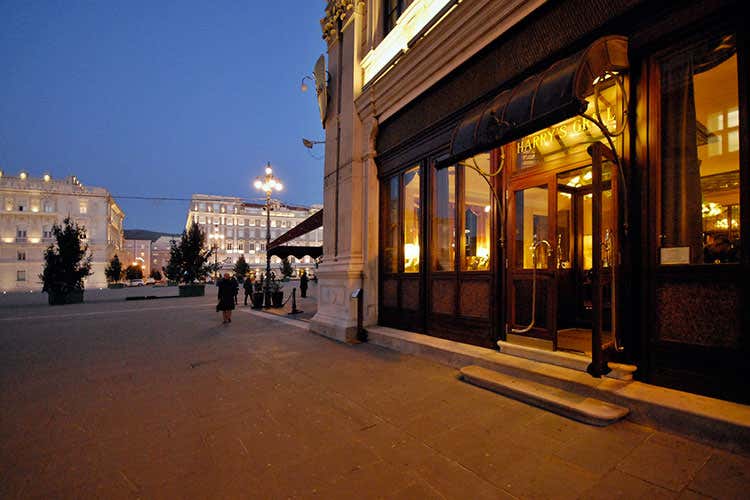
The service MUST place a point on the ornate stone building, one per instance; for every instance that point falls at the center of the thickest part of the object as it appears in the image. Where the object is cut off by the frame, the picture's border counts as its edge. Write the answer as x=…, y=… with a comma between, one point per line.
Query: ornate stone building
x=236, y=227
x=29, y=207
x=570, y=177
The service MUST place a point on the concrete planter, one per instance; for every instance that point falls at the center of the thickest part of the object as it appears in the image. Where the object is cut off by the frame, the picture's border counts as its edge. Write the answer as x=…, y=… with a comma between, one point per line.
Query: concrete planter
x=194, y=290
x=58, y=298
x=257, y=298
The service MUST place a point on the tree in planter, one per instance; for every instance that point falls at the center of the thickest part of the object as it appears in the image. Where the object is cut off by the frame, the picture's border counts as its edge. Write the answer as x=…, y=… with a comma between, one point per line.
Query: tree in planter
x=113, y=272
x=66, y=263
x=241, y=267
x=173, y=268
x=155, y=274
x=286, y=268
x=194, y=255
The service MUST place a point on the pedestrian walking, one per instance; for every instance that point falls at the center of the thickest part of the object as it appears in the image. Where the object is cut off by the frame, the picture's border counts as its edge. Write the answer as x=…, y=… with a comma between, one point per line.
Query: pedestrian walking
x=303, y=280
x=227, y=292
x=236, y=288
x=248, y=287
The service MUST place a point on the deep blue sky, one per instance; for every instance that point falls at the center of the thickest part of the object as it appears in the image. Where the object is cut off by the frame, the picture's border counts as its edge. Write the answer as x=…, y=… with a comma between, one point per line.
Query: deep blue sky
x=164, y=99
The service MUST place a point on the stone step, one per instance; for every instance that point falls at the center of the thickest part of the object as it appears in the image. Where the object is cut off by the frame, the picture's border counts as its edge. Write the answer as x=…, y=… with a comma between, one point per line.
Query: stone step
x=569, y=404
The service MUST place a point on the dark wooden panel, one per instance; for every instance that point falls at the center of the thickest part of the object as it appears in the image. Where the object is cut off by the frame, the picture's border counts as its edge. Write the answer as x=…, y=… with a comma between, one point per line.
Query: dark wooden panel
x=390, y=292
x=466, y=330
x=410, y=294
x=475, y=298
x=444, y=296
x=706, y=314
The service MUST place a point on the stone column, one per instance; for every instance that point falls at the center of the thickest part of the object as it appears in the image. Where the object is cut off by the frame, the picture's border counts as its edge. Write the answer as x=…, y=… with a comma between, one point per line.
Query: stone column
x=350, y=195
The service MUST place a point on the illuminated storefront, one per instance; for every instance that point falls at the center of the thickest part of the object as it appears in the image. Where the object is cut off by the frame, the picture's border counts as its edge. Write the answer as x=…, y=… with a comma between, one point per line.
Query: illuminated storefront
x=570, y=177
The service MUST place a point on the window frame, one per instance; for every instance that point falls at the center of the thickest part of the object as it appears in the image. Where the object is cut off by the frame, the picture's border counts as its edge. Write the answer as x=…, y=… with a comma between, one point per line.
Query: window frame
x=656, y=145
x=398, y=9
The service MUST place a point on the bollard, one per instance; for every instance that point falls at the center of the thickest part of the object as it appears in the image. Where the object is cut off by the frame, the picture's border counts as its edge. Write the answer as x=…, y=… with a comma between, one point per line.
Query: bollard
x=294, y=302
x=361, y=332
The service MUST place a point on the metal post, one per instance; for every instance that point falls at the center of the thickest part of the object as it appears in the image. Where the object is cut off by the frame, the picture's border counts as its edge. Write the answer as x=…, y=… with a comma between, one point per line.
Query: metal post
x=268, y=253
x=294, y=302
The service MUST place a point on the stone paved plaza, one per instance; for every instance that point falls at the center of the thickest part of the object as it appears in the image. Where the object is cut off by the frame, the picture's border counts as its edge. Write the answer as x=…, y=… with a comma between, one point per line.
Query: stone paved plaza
x=157, y=399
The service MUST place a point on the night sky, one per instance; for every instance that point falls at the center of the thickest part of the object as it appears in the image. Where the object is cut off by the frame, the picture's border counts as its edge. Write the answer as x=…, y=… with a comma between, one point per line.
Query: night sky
x=162, y=99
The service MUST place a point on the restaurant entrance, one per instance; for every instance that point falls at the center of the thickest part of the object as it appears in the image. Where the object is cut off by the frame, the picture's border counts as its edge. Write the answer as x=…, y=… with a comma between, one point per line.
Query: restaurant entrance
x=564, y=257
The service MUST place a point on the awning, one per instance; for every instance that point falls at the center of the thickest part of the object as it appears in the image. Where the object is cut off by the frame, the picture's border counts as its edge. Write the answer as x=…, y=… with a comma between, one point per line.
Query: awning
x=310, y=224
x=541, y=100
x=284, y=251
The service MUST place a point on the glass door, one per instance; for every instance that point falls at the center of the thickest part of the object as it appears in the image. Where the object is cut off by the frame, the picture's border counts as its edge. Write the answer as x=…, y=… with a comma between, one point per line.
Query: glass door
x=531, y=268
x=605, y=254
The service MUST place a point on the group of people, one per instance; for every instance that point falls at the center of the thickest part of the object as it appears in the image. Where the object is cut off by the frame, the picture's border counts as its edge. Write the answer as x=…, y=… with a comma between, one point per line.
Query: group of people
x=229, y=291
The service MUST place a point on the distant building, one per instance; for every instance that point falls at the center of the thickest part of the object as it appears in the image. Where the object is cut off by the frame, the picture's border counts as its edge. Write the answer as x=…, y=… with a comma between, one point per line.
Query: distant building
x=160, y=251
x=29, y=207
x=236, y=228
x=137, y=253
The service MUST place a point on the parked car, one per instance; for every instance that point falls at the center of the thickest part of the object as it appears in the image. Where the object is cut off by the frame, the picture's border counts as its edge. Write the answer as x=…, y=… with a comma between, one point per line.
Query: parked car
x=150, y=281
x=137, y=282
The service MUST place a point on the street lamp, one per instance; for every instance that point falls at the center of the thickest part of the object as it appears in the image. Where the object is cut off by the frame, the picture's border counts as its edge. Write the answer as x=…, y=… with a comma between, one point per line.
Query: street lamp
x=215, y=238
x=267, y=183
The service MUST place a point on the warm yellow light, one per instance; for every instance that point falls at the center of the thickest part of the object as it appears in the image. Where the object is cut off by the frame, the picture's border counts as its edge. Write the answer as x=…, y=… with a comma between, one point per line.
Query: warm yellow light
x=269, y=170
x=483, y=252
x=411, y=254
x=588, y=175
x=411, y=23
x=258, y=184
x=575, y=181
x=46, y=177
x=35, y=209
x=34, y=240
x=22, y=175
x=487, y=209
x=279, y=186
x=7, y=240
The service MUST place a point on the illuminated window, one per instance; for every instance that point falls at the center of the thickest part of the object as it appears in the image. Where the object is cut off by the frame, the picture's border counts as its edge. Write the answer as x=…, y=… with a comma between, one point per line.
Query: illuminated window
x=476, y=210
x=700, y=157
x=390, y=225
x=412, y=212
x=444, y=220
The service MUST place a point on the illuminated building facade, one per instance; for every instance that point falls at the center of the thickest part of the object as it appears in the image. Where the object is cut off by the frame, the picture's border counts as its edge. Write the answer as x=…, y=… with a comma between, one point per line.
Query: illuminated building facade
x=570, y=177
x=238, y=228
x=30, y=206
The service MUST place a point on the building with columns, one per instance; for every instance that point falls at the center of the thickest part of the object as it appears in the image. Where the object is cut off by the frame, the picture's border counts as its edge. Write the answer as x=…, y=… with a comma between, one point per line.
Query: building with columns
x=30, y=206
x=570, y=177
x=238, y=228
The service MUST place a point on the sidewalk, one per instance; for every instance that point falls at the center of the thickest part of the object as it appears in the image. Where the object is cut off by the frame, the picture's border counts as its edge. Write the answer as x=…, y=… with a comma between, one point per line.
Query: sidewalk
x=167, y=402
x=712, y=421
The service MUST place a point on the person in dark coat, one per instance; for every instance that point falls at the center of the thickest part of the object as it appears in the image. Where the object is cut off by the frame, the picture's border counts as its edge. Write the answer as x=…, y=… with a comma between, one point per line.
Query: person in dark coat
x=227, y=291
x=303, y=279
x=248, y=287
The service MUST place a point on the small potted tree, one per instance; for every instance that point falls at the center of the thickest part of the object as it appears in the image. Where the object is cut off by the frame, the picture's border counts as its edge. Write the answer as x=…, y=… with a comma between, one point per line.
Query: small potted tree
x=241, y=268
x=113, y=273
x=193, y=262
x=257, y=296
x=66, y=264
x=277, y=294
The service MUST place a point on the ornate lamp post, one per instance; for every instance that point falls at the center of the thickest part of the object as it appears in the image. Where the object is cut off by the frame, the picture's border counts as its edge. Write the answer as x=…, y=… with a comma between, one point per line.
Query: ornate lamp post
x=267, y=183
x=215, y=239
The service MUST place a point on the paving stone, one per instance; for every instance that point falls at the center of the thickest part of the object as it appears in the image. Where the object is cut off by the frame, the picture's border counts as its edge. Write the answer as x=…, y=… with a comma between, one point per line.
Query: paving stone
x=104, y=408
x=725, y=475
x=617, y=484
x=666, y=460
